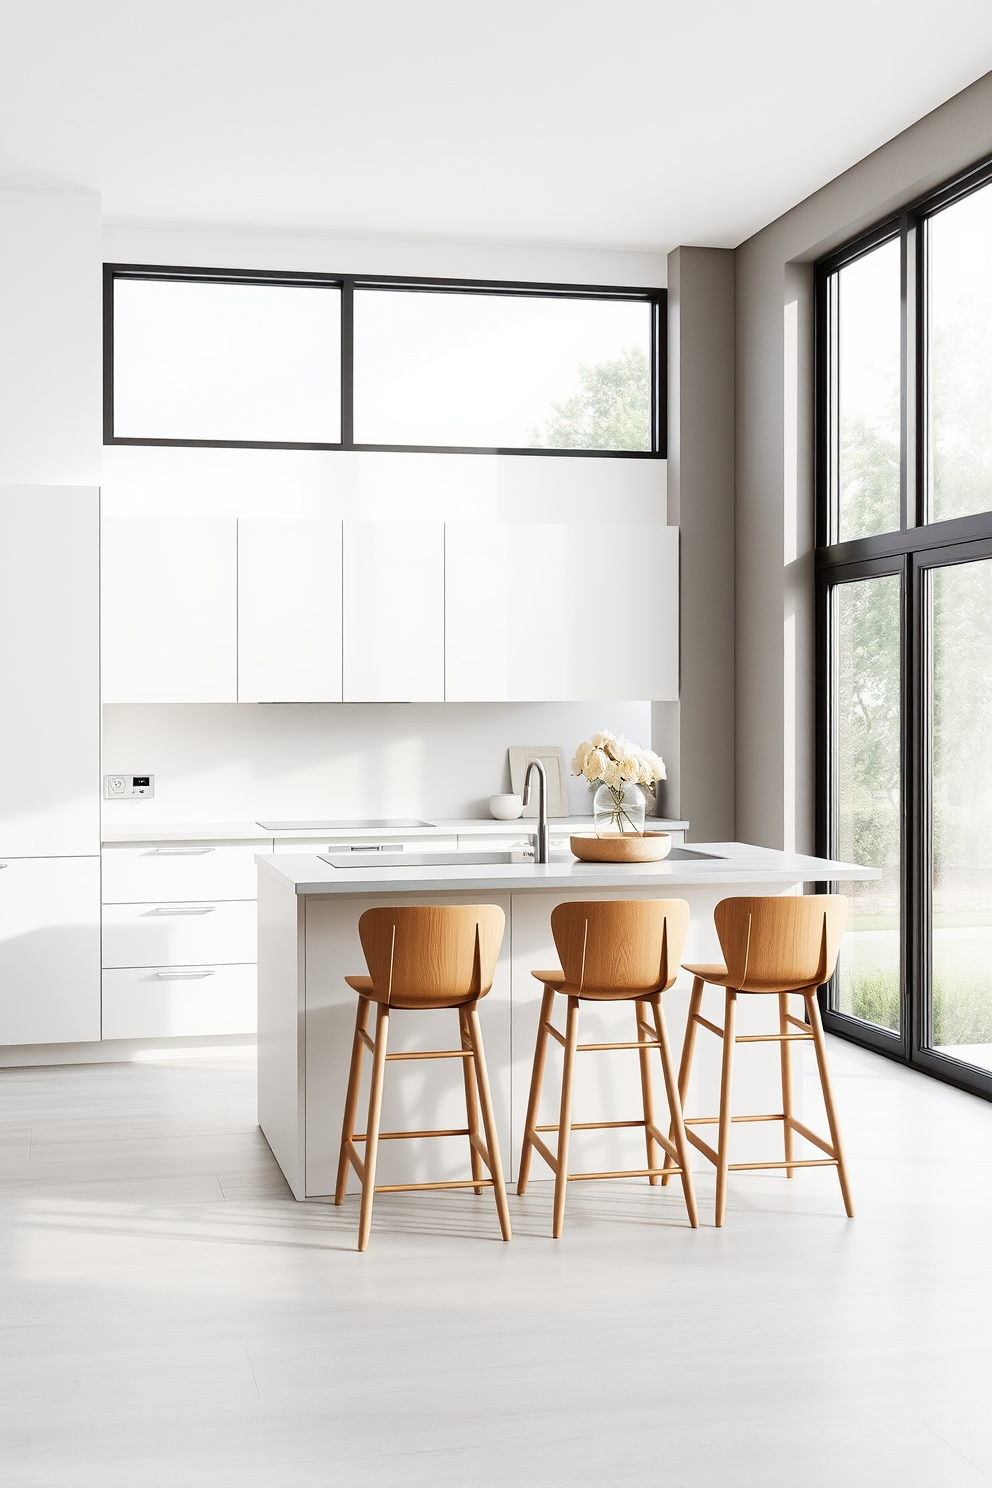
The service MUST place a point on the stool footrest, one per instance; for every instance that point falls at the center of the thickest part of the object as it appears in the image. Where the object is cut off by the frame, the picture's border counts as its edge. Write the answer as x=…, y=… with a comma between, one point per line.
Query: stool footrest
x=715, y=1120
x=416, y=1187
x=797, y=1162
x=590, y=1125
x=626, y=1173
x=454, y=1131
x=434, y=1054
x=772, y=1038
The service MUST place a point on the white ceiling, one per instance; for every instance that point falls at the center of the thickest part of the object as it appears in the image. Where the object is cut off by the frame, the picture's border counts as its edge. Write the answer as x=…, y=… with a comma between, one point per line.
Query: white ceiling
x=629, y=123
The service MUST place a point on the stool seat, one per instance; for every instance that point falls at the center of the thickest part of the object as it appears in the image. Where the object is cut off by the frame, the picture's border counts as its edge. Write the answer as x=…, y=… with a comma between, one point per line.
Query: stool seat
x=611, y=951
x=558, y=982
x=365, y=987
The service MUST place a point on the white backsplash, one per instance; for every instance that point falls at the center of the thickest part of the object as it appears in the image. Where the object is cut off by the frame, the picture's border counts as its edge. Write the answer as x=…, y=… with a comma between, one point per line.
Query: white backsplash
x=217, y=762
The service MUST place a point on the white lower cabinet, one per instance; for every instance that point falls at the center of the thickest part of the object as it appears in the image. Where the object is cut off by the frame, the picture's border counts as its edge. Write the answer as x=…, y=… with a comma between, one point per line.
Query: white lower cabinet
x=49, y=950
x=178, y=934
x=178, y=1001
x=179, y=938
x=139, y=873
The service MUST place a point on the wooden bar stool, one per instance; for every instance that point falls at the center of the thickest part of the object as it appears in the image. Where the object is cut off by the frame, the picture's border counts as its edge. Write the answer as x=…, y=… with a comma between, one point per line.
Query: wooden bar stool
x=772, y=946
x=426, y=957
x=611, y=951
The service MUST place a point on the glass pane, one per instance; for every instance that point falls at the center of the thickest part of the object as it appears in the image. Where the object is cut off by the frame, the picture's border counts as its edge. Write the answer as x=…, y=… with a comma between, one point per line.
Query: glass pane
x=961, y=827
x=868, y=382
x=960, y=240
x=505, y=371
x=866, y=726
x=227, y=361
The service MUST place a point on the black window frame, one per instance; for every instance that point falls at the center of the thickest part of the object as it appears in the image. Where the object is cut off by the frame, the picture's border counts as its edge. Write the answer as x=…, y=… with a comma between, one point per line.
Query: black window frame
x=656, y=299
x=917, y=547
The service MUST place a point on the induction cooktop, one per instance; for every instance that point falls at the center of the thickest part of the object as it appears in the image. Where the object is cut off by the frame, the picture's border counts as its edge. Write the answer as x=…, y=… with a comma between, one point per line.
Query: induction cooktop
x=374, y=824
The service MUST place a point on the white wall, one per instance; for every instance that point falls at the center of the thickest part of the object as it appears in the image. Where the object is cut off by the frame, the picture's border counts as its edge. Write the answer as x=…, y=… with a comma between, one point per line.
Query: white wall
x=222, y=762
x=774, y=466
x=237, y=761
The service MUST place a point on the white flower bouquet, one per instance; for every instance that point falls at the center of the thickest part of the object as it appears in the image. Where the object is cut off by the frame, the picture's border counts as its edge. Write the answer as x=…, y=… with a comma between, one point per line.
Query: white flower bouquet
x=614, y=765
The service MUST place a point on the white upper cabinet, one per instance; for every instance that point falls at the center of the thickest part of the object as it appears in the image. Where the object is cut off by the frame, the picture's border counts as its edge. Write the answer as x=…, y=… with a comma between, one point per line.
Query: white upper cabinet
x=49, y=671
x=170, y=610
x=289, y=611
x=393, y=611
x=560, y=612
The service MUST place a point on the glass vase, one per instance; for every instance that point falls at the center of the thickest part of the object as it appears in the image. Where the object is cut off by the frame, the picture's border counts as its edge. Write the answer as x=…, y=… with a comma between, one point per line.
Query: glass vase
x=618, y=808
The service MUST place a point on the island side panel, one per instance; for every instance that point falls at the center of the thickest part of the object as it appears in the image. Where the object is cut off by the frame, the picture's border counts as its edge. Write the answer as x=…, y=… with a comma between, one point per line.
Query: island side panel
x=419, y=1094
x=281, y=1027
x=607, y=1084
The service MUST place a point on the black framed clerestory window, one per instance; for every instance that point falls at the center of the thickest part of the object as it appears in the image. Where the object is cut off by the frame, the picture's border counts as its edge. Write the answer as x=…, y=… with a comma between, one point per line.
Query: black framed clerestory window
x=903, y=347
x=269, y=360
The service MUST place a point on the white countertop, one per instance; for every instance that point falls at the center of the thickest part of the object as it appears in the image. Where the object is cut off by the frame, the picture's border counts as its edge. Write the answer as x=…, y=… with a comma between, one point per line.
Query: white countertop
x=254, y=832
x=735, y=862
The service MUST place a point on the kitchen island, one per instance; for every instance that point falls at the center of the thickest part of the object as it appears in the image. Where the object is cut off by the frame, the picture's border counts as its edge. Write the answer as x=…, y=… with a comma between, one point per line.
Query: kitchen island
x=308, y=912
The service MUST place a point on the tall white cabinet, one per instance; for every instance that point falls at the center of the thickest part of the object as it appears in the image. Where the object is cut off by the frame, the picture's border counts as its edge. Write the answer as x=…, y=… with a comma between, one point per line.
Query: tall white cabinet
x=49, y=765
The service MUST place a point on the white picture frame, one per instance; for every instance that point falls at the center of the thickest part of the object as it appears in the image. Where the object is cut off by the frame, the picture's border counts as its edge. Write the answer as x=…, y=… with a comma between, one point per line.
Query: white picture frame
x=552, y=756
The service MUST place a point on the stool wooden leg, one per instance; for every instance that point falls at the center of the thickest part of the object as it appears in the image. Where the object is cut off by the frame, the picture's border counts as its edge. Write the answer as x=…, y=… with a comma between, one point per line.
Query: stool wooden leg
x=819, y=1043
x=536, y=1080
x=688, y=1045
x=488, y=1119
x=726, y=1090
x=675, y=1109
x=471, y=1105
x=785, y=1055
x=372, y=1127
x=565, y=1115
x=351, y=1099
x=647, y=1095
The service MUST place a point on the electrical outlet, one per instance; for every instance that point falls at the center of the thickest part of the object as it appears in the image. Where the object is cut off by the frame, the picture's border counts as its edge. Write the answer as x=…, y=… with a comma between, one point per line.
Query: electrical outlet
x=119, y=787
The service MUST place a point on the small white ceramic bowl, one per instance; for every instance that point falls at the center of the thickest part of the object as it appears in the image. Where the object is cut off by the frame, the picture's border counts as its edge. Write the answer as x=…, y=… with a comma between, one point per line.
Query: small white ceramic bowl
x=505, y=808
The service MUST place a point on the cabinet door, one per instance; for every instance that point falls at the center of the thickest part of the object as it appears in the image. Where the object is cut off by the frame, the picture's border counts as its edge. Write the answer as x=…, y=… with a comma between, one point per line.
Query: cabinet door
x=49, y=671
x=170, y=610
x=49, y=950
x=393, y=612
x=289, y=612
x=560, y=613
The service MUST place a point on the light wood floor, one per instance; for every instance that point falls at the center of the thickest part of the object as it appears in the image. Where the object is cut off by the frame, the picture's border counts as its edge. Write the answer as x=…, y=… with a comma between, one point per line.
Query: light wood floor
x=170, y=1316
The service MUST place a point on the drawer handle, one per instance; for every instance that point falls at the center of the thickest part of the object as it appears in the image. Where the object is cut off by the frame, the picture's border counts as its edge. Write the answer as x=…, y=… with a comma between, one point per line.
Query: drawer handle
x=182, y=976
x=179, y=909
x=179, y=852
x=370, y=847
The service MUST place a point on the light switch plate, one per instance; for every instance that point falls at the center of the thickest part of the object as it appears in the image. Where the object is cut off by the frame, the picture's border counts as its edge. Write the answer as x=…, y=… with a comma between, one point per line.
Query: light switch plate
x=120, y=787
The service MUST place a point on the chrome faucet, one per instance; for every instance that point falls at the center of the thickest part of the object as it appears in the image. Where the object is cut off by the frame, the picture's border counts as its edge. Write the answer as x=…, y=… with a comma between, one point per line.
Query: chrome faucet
x=542, y=844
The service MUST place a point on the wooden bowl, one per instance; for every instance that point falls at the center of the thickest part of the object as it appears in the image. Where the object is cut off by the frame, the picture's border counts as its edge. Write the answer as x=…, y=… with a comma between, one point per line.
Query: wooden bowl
x=622, y=847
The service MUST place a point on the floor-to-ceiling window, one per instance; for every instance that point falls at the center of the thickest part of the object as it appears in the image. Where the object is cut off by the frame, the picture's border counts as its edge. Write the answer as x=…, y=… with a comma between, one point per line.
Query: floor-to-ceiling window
x=904, y=571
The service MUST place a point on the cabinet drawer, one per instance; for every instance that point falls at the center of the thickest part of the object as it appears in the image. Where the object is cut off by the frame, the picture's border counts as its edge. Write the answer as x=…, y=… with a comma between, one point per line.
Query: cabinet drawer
x=173, y=871
x=179, y=934
x=178, y=1001
x=366, y=846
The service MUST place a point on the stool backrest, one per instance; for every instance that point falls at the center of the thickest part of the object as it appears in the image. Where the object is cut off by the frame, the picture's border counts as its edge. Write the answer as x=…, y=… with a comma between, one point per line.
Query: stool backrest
x=432, y=955
x=773, y=944
x=619, y=947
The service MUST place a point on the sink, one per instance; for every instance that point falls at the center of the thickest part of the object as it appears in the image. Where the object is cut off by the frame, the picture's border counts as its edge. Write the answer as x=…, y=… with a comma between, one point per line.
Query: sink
x=370, y=861
x=373, y=824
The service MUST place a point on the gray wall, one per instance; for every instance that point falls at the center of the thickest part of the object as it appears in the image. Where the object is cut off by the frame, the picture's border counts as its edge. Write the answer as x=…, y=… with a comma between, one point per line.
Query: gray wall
x=701, y=503
x=774, y=418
